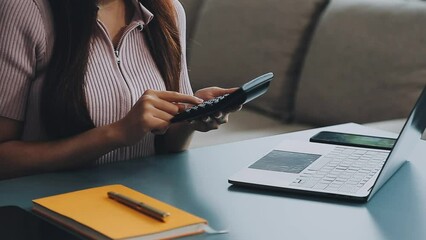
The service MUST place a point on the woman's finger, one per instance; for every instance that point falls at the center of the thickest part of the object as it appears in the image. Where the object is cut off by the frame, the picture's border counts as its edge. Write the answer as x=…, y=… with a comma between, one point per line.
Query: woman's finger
x=206, y=119
x=212, y=92
x=176, y=97
x=221, y=118
x=160, y=114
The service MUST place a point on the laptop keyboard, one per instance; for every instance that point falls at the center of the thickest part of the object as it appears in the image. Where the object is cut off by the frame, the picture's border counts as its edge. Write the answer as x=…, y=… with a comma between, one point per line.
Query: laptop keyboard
x=346, y=170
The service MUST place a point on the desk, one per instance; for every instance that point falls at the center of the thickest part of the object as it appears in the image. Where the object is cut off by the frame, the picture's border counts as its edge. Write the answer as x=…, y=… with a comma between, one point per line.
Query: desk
x=196, y=181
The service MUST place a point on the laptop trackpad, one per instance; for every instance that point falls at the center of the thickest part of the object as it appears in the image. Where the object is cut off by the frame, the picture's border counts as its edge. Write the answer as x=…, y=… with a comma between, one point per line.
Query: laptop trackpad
x=285, y=161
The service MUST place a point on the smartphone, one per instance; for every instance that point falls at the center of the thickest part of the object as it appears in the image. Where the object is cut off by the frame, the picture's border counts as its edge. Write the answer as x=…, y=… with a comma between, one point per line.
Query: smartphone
x=242, y=95
x=354, y=140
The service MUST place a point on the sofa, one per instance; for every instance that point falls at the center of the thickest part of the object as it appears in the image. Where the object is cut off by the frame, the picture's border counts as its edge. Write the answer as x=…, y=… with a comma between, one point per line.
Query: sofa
x=334, y=61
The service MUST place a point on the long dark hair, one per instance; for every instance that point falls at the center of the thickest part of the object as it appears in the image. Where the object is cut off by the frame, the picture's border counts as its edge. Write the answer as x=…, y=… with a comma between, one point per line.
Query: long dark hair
x=63, y=105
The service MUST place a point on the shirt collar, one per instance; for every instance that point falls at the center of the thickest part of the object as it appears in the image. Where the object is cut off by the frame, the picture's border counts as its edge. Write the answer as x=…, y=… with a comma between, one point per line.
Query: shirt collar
x=142, y=14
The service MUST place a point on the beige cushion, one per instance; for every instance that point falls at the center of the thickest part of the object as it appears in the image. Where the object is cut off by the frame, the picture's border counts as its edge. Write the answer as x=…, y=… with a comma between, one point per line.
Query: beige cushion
x=367, y=62
x=237, y=40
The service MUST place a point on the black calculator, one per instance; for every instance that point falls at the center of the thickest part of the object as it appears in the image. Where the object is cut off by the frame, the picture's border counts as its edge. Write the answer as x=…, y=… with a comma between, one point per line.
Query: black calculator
x=242, y=95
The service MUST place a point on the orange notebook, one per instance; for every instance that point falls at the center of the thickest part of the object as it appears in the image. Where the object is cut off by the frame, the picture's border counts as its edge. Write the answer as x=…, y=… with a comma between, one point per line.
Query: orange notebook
x=91, y=213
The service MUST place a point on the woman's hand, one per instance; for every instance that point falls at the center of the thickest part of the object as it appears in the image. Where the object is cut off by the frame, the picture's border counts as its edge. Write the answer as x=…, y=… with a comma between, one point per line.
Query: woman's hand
x=152, y=113
x=212, y=122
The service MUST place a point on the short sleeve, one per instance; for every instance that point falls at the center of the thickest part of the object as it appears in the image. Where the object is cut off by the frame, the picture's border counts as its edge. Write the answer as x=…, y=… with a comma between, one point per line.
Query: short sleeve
x=22, y=33
x=185, y=85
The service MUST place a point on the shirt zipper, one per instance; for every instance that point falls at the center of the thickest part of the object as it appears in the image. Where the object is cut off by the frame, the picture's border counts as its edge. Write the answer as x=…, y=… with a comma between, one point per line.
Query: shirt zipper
x=116, y=51
x=117, y=57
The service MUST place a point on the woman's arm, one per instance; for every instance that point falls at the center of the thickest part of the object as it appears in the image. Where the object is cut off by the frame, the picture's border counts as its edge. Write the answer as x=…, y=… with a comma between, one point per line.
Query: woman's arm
x=19, y=158
x=152, y=112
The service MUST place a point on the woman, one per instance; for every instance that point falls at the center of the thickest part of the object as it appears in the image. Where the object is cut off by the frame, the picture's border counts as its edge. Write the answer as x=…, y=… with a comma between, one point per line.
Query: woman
x=86, y=81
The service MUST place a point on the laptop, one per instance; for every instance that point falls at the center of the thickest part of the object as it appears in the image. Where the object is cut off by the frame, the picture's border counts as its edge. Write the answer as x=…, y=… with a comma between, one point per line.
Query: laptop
x=352, y=173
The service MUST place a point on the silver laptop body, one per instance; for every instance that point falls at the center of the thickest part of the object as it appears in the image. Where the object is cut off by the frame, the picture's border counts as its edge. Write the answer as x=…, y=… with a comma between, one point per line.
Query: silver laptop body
x=334, y=171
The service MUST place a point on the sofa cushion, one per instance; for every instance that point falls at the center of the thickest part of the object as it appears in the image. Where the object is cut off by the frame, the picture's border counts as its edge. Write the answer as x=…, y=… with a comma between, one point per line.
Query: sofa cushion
x=366, y=62
x=237, y=40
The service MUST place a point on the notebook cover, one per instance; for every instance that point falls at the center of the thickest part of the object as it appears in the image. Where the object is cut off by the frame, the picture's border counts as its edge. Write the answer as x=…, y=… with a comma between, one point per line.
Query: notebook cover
x=93, y=208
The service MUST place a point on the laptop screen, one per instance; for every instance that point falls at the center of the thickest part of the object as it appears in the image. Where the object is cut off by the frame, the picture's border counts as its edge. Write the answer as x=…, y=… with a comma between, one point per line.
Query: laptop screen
x=410, y=136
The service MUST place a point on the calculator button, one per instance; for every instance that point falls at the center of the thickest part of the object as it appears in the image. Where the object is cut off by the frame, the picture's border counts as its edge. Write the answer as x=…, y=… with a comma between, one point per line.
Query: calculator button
x=224, y=96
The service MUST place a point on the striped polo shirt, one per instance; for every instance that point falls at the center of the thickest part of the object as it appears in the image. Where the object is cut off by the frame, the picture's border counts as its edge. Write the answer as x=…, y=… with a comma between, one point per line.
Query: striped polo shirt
x=115, y=79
